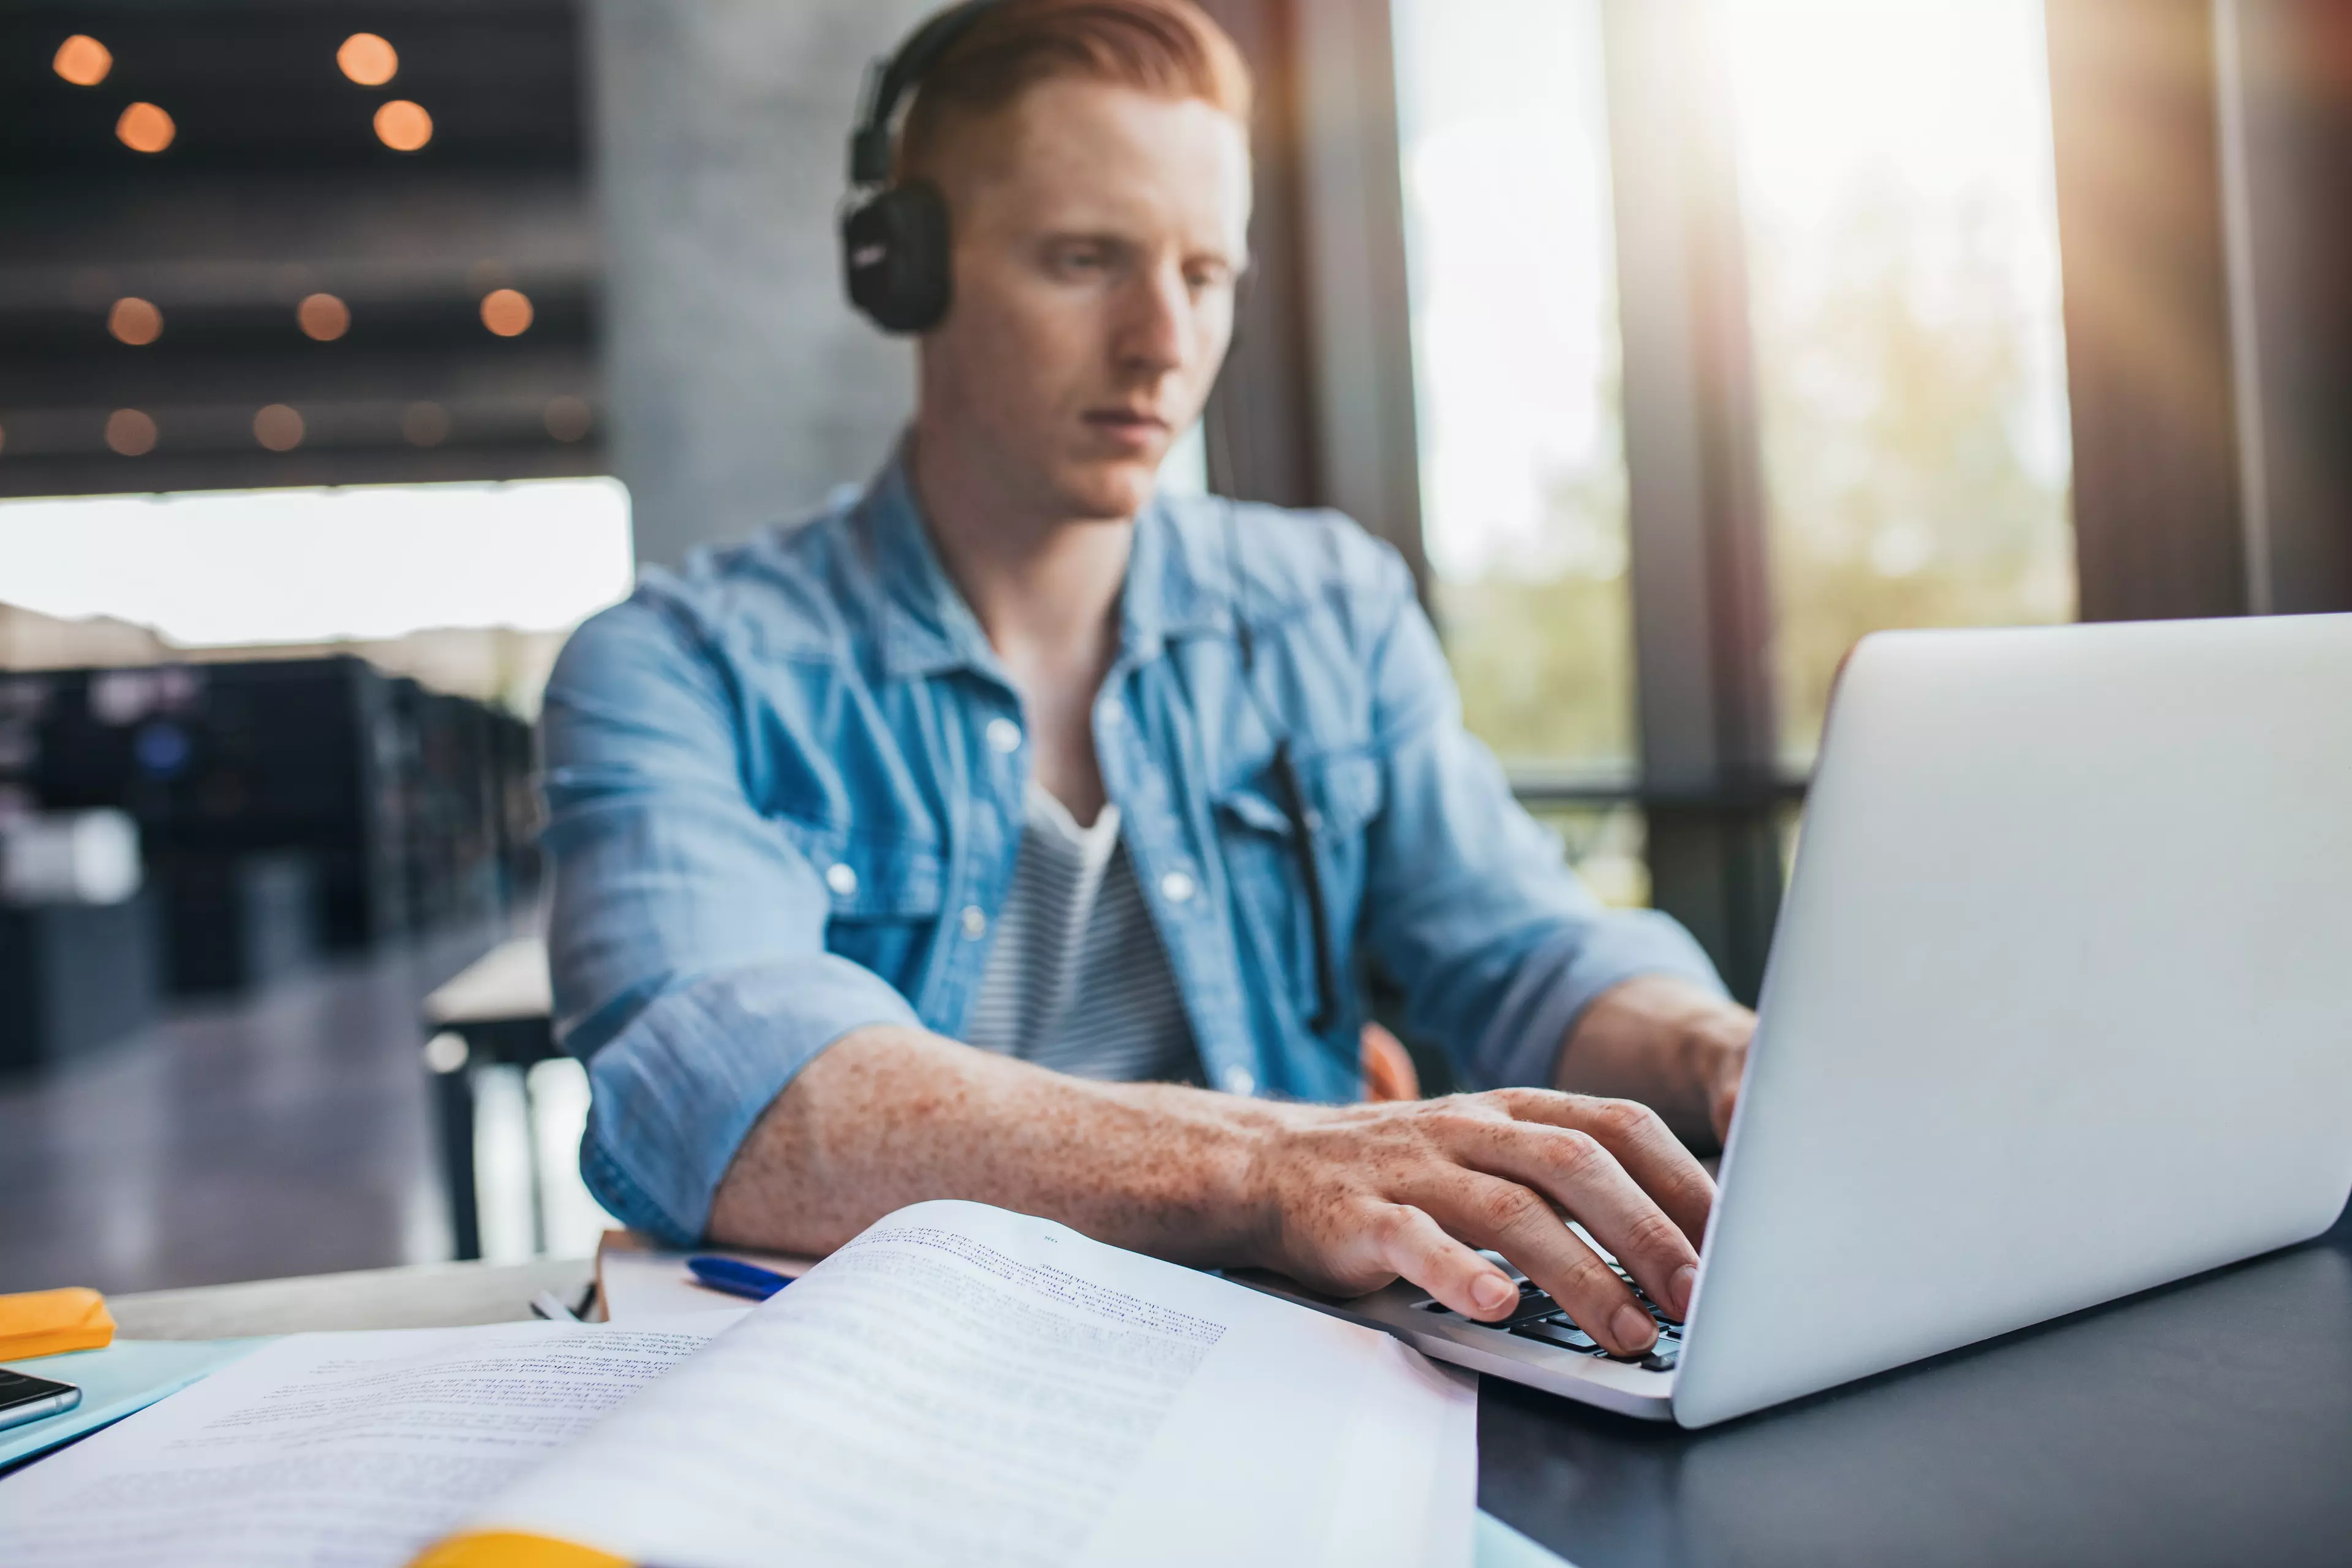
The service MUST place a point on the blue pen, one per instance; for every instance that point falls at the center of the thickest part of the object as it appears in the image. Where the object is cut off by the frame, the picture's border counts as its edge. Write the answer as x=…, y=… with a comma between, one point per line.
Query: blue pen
x=738, y=1278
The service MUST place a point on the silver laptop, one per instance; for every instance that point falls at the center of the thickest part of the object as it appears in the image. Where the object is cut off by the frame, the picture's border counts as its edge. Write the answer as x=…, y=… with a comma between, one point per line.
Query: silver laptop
x=2060, y=1009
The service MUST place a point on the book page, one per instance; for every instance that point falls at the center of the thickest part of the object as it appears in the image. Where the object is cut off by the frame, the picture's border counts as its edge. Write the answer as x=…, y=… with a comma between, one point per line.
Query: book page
x=341, y=1450
x=964, y=1385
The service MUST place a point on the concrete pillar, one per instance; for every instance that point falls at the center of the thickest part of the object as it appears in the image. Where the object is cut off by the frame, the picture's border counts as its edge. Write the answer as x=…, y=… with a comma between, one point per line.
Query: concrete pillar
x=742, y=386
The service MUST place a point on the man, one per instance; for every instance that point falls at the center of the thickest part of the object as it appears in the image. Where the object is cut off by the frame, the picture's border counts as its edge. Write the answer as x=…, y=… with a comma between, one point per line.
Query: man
x=1008, y=750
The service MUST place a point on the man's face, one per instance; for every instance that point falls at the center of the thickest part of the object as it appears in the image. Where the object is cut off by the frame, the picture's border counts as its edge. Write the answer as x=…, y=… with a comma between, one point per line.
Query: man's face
x=1098, y=232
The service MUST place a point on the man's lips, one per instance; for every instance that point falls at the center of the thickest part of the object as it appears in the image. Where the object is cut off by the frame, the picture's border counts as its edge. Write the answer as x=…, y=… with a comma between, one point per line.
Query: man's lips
x=1128, y=429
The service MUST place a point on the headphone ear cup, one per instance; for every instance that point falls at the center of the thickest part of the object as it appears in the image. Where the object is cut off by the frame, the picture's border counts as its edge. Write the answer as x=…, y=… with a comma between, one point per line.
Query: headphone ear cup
x=894, y=257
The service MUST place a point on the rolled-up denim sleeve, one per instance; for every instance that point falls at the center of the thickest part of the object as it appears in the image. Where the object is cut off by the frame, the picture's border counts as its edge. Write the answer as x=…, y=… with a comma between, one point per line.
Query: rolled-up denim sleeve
x=687, y=938
x=1469, y=903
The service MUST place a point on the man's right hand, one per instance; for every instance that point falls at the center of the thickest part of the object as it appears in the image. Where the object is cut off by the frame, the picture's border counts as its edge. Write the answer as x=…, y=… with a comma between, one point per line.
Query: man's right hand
x=1341, y=1198
x=1350, y=1198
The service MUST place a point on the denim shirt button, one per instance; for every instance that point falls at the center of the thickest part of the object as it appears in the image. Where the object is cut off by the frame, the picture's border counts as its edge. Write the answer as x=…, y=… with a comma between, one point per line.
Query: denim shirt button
x=1237, y=1080
x=975, y=922
x=1177, y=888
x=1004, y=736
x=841, y=878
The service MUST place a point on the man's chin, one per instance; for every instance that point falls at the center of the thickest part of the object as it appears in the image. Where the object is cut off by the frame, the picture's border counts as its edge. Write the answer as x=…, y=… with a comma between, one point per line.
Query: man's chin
x=1107, y=490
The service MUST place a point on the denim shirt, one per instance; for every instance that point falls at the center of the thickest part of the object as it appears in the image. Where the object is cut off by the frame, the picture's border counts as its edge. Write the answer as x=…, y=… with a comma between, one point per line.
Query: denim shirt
x=785, y=790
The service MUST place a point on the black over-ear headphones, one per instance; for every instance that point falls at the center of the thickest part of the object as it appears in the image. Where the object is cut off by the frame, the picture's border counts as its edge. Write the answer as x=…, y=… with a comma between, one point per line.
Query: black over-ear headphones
x=894, y=238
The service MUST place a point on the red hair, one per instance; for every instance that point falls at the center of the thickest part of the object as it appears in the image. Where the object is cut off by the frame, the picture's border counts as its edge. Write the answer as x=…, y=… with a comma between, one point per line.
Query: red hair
x=1168, y=48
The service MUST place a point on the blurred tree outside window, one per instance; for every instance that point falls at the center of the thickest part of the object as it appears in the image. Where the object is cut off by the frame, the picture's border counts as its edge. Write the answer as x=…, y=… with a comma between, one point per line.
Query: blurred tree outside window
x=1503, y=131
x=1607, y=843
x=1901, y=224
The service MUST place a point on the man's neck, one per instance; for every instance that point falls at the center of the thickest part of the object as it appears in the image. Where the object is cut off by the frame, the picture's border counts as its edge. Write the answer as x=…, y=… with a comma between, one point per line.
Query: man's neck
x=1045, y=588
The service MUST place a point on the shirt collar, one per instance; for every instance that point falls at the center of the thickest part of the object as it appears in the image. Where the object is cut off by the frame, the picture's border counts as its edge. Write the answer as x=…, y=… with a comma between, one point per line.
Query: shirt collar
x=928, y=629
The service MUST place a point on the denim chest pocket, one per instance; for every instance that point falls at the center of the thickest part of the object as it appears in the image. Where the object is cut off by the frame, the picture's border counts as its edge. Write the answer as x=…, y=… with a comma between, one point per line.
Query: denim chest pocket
x=1258, y=839
x=883, y=895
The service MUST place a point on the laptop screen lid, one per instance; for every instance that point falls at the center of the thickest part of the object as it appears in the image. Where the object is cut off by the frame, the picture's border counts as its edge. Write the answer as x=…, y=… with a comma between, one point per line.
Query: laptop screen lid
x=2060, y=1004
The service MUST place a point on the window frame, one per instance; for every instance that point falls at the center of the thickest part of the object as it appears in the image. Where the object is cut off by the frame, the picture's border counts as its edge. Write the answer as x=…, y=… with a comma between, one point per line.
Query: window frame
x=1317, y=407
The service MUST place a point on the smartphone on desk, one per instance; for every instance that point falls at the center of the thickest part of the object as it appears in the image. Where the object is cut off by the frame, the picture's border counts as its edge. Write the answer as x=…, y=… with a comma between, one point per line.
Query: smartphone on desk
x=24, y=1398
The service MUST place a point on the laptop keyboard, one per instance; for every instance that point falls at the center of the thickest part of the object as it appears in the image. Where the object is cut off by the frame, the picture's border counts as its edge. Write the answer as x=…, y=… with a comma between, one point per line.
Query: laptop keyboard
x=1540, y=1318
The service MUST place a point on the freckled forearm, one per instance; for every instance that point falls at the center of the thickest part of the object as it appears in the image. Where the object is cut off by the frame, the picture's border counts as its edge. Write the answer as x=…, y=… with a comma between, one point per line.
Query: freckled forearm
x=1344, y=1198
x=886, y=1117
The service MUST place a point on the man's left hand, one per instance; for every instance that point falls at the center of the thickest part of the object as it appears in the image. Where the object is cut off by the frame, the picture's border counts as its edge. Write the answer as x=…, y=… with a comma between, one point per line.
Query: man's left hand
x=1678, y=1047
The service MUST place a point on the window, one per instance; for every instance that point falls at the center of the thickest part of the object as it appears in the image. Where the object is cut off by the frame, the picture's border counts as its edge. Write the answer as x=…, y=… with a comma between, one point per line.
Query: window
x=1896, y=172
x=1502, y=129
x=311, y=565
x=430, y=563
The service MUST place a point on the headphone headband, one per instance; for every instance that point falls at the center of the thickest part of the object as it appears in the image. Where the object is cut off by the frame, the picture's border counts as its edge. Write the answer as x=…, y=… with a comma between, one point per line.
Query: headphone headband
x=889, y=80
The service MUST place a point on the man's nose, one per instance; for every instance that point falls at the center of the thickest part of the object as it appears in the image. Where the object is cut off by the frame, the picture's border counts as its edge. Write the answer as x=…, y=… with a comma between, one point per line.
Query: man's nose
x=1156, y=333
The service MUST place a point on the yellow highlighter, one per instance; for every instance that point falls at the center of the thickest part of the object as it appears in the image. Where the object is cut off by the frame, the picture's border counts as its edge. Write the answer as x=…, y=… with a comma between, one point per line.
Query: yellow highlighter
x=512, y=1549
x=50, y=1322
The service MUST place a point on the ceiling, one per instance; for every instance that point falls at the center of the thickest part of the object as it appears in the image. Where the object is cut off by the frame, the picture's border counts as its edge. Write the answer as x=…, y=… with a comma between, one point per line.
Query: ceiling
x=276, y=186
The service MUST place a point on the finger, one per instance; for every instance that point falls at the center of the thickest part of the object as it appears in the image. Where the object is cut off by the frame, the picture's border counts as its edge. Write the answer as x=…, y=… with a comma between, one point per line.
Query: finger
x=1416, y=1247
x=1488, y=1211
x=1575, y=1172
x=1643, y=1143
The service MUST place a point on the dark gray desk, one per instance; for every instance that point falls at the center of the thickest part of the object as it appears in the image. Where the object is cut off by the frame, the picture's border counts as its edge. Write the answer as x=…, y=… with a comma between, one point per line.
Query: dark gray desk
x=2207, y=1423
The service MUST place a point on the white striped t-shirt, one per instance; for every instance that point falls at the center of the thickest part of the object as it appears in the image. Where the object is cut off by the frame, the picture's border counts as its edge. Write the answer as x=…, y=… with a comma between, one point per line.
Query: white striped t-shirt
x=1078, y=981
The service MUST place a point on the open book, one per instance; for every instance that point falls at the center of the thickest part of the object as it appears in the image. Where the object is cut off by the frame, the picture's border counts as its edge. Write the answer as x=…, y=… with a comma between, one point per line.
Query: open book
x=959, y=1385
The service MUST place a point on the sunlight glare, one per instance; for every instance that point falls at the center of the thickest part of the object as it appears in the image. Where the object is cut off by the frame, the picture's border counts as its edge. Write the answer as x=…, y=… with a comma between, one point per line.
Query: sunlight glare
x=1506, y=185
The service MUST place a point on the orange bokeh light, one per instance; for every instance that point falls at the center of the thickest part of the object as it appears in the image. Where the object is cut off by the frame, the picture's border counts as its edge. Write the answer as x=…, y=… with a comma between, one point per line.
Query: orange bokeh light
x=506, y=312
x=278, y=427
x=368, y=60
x=404, y=126
x=322, y=317
x=144, y=128
x=134, y=321
x=83, y=60
x=130, y=432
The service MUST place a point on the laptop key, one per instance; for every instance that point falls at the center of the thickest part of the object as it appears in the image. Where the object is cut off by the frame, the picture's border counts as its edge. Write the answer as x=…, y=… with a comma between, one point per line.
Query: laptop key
x=1557, y=1331
x=1533, y=1304
x=1661, y=1358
